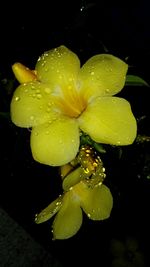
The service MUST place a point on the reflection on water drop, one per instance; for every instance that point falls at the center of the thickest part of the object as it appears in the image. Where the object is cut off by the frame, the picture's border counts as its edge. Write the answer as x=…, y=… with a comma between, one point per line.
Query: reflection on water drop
x=107, y=91
x=17, y=98
x=118, y=142
x=39, y=96
x=31, y=118
x=48, y=110
x=47, y=90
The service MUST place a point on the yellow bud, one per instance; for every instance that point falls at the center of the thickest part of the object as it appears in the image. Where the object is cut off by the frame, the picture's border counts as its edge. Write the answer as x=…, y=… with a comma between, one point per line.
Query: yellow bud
x=23, y=74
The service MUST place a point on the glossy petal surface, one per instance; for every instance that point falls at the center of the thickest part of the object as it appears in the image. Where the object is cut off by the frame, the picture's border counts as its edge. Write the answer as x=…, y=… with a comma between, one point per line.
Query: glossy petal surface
x=69, y=219
x=49, y=211
x=58, y=66
x=31, y=105
x=109, y=120
x=55, y=143
x=97, y=202
x=102, y=75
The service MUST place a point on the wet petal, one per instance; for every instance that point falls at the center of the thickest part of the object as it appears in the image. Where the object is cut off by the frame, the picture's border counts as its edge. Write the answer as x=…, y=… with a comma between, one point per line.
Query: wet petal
x=112, y=121
x=55, y=143
x=72, y=178
x=58, y=66
x=69, y=219
x=102, y=75
x=49, y=211
x=31, y=105
x=97, y=202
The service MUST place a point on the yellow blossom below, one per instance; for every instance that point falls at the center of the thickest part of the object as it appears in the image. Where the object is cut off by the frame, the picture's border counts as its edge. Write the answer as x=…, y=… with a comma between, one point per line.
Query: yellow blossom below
x=83, y=190
x=96, y=202
x=59, y=99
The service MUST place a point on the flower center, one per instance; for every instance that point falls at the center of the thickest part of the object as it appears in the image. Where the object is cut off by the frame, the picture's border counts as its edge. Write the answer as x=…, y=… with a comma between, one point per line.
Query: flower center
x=70, y=101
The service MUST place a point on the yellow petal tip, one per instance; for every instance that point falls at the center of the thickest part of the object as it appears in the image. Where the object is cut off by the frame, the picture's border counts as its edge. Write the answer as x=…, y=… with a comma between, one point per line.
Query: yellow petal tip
x=23, y=74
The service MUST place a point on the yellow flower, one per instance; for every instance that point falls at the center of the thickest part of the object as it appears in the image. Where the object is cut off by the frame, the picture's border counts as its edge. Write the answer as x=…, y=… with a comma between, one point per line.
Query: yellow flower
x=96, y=201
x=59, y=99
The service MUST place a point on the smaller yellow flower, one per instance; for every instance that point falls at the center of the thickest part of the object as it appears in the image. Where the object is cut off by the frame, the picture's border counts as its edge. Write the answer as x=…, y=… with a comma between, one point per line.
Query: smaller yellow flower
x=95, y=201
x=59, y=99
x=83, y=191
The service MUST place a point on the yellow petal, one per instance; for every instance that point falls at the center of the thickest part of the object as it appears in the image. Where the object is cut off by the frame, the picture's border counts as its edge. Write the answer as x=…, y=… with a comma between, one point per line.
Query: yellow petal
x=109, y=120
x=49, y=211
x=58, y=66
x=23, y=74
x=72, y=178
x=97, y=202
x=102, y=75
x=55, y=143
x=31, y=105
x=69, y=219
x=65, y=170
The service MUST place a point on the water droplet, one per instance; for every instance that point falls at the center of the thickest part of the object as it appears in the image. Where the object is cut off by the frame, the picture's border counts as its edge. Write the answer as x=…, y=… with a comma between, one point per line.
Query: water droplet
x=36, y=215
x=48, y=110
x=31, y=118
x=47, y=90
x=17, y=98
x=118, y=142
x=89, y=215
x=92, y=73
x=58, y=203
x=33, y=95
x=39, y=96
x=107, y=91
x=49, y=104
x=46, y=69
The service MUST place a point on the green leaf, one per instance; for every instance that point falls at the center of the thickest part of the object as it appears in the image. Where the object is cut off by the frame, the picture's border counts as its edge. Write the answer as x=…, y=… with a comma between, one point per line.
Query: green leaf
x=5, y=115
x=86, y=140
x=133, y=80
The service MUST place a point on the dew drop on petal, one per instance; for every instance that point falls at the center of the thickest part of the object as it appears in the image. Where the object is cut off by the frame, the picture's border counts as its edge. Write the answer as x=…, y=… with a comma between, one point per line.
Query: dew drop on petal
x=31, y=118
x=48, y=110
x=47, y=90
x=39, y=96
x=118, y=142
x=17, y=98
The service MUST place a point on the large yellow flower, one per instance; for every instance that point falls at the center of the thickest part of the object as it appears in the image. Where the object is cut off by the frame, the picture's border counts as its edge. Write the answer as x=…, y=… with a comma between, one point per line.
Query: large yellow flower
x=59, y=99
